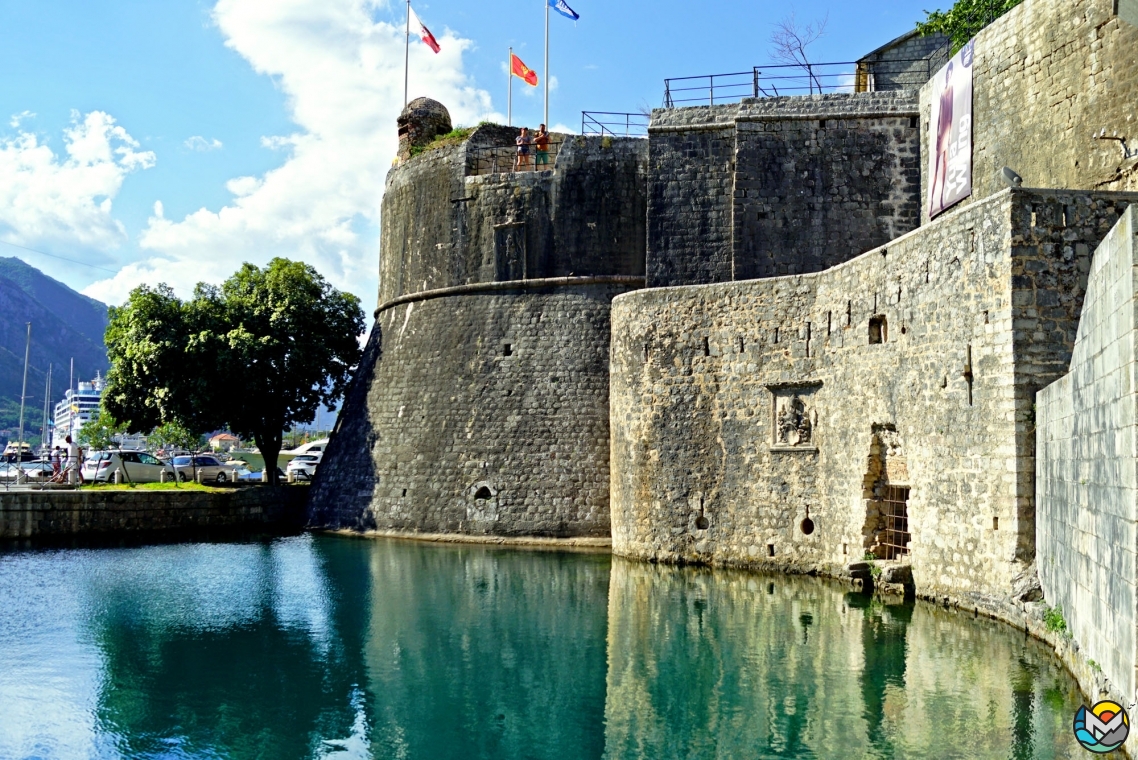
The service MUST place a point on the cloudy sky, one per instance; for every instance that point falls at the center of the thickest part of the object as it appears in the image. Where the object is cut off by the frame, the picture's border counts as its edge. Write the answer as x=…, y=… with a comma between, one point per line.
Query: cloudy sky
x=171, y=141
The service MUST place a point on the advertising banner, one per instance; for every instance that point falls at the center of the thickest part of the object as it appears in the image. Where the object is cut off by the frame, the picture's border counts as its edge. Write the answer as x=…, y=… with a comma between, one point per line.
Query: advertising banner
x=950, y=133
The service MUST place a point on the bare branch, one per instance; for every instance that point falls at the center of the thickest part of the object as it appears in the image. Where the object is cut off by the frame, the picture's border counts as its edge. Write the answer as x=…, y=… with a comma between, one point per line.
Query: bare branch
x=790, y=40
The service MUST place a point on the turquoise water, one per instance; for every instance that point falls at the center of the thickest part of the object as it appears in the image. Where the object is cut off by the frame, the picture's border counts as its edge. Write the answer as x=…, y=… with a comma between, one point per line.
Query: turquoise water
x=314, y=647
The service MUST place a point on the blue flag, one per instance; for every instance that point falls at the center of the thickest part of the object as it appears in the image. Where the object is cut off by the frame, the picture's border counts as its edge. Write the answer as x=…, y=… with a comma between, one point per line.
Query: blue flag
x=563, y=8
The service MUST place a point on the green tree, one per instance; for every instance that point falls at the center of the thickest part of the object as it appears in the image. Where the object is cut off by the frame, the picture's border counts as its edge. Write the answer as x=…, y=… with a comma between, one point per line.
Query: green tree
x=965, y=19
x=175, y=435
x=258, y=355
x=99, y=434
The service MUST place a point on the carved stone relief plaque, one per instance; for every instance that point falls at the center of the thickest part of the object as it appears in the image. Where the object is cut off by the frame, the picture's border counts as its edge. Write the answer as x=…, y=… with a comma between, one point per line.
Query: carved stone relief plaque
x=794, y=417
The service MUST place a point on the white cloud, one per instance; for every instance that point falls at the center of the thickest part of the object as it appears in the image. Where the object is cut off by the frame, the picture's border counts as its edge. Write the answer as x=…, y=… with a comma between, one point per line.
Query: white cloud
x=342, y=73
x=17, y=118
x=199, y=143
x=48, y=198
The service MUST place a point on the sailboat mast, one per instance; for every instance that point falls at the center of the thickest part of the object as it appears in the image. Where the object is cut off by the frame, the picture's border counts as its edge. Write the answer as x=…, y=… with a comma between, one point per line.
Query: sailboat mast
x=24, y=394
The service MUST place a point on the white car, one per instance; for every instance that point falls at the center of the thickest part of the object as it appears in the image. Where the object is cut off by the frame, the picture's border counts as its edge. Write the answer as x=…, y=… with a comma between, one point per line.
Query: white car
x=210, y=467
x=303, y=466
x=136, y=466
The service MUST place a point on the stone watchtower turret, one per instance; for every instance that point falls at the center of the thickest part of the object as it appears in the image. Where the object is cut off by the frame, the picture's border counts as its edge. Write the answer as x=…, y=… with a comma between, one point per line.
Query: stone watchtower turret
x=421, y=121
x=481, y=403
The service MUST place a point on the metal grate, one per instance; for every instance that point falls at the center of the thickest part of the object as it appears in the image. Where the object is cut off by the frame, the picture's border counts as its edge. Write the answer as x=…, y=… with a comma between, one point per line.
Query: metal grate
x=895, y=508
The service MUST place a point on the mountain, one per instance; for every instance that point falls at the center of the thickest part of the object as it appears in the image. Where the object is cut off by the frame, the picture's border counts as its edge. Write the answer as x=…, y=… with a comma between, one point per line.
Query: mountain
x=66, y=325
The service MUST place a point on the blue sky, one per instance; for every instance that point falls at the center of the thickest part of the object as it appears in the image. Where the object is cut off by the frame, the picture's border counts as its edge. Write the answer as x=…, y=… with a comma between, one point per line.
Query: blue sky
x=171, y=141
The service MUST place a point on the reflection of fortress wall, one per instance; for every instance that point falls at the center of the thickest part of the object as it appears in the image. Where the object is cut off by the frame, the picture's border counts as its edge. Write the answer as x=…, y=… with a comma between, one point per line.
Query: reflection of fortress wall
x=826, y=674
x=484, y=408
x=917, y=365
x=1048, y=77
x=489, y=658
x=779, y=186
x=728, y=711
x=1087, y=481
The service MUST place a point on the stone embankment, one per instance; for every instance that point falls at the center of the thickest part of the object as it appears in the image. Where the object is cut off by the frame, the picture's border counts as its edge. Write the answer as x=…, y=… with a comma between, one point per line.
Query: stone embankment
x=113, y=512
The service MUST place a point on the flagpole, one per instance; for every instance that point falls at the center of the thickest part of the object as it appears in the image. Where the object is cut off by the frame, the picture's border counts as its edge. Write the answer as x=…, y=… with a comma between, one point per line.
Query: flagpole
x=510, y=90
x=407, y=57
x=546, y=63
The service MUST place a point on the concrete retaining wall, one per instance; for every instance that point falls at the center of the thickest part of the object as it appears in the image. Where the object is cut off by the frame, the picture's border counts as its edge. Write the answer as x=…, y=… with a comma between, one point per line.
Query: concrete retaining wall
x=1087, y=471
x=41, y=514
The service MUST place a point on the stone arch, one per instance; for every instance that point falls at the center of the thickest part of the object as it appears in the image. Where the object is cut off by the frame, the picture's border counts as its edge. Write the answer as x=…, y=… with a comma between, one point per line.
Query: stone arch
x=885, y=496
x=482, y=503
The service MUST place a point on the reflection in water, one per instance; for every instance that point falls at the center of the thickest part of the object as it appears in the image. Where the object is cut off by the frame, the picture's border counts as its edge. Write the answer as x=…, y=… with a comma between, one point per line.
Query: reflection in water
x=725, y=664
x=313, y=647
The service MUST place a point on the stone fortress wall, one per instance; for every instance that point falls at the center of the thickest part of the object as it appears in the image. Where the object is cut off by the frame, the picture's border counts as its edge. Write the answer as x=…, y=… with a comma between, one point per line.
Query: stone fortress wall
x=1055, y=83
x=814, y=372
x=722, y=362
x=764, y=423
x=482, y=405
x=1087, y=467
x=775, y=186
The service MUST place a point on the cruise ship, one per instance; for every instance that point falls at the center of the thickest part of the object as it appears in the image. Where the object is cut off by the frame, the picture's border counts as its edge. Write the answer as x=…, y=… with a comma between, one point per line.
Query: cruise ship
x=76, y=409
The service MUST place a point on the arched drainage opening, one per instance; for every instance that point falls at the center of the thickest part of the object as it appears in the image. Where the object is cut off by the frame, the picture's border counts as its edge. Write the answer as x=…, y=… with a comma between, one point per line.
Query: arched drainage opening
x=483, y=493
x=702, y=523
x=807, y=526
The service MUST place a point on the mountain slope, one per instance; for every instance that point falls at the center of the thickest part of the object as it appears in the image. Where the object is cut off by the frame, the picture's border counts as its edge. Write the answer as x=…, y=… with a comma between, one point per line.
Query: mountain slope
x=65, y=325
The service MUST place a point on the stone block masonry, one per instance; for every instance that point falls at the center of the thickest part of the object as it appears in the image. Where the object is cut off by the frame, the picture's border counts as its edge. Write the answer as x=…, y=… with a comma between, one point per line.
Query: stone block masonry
x=883, y=406
x=484, y=414
x=1087, y=468
x=1054, y=97
x=118, y=513
x=778, y=186
x=481, y=405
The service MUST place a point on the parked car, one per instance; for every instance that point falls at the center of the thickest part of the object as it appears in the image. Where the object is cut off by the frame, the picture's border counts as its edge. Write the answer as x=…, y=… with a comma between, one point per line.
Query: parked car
x=303, y=466
x=136, y=466
x=246, y=475
x=210, y=467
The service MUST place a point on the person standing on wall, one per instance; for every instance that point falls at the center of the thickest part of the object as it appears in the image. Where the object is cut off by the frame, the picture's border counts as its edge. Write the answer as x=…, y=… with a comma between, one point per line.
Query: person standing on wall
x=541, y=147
x=524, y=141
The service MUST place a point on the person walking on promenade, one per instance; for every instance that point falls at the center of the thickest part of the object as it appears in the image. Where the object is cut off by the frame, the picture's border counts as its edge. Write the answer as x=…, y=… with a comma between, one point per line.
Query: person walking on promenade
x=73, y=462
x=56, y=464
x=541, y=146
x=524, y=141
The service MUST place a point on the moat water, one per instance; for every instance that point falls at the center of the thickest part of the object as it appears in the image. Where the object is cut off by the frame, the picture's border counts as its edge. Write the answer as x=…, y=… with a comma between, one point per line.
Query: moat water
x=329, y=647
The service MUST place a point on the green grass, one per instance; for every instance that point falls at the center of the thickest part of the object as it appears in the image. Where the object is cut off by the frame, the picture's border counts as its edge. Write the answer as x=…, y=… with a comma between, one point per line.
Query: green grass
x=456, y=136
x=151, y=487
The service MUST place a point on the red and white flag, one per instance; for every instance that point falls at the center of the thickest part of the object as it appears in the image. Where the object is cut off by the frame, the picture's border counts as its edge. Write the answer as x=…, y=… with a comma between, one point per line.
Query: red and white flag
x=424, y=32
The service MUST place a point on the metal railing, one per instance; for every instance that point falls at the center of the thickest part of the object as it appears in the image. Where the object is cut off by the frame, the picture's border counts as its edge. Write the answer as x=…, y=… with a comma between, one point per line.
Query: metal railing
x=615, y=124
x=798, y=79
x=505, y=159
x=32, y=475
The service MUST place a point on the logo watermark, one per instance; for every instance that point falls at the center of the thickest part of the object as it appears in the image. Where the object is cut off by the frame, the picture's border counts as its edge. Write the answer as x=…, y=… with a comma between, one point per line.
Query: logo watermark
x=1103, y=727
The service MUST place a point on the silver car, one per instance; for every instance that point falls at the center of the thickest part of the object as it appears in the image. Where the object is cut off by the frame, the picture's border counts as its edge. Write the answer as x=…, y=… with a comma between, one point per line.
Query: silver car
x=210, y=467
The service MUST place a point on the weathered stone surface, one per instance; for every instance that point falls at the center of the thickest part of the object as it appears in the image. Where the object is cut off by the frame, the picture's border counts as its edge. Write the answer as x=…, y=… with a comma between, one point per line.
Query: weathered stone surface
x=1049, y=78
x=974, y=313
x=486, y=412
x=443, y=228
x=421, y=121
x=777, y=186
x=55, y=514
x=1087, y=468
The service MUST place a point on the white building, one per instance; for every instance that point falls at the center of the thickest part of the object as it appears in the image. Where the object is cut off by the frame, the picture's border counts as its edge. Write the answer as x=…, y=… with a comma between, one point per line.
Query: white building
x=79, y=407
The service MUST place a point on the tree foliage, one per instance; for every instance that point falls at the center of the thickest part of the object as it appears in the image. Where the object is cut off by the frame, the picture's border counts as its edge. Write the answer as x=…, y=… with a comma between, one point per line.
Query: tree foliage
x=257, y=355
x=964, y=20
x=99, y=434
x=175, y=435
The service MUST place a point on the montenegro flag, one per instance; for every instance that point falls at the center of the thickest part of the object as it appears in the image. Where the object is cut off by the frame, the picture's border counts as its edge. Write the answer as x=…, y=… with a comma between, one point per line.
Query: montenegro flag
x=519, y=69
